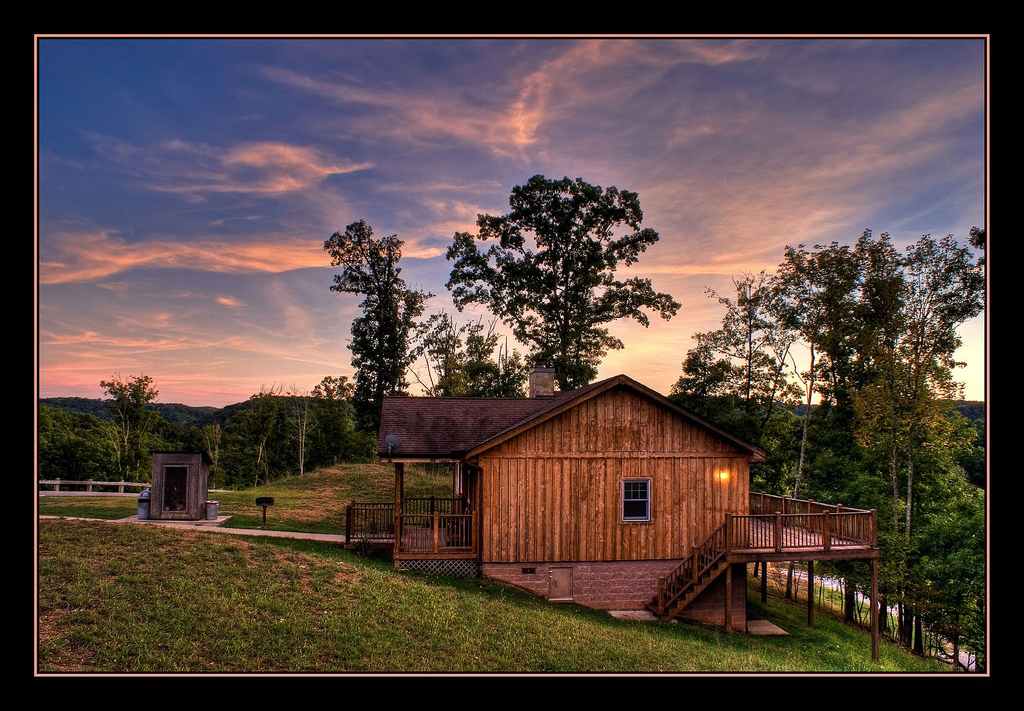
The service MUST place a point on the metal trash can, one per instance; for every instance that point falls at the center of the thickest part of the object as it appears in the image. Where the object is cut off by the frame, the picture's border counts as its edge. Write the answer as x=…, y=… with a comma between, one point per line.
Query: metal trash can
x=212, y=510
x=144, y=505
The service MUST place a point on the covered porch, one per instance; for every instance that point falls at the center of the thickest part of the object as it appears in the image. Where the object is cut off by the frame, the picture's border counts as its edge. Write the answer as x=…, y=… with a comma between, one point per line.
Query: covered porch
x=419, y=528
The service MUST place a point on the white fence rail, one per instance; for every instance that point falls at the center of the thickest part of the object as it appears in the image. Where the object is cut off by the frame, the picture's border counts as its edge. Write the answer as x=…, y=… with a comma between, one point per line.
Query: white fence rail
x=89, y=484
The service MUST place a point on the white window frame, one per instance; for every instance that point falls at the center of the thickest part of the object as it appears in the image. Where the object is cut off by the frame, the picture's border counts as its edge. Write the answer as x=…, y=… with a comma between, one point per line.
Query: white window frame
x=650, y=499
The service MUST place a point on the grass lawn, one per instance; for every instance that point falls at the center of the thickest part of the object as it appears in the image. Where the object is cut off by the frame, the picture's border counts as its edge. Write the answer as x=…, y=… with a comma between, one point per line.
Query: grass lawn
x=88, y=506
x=314, y=502
x=133, y=598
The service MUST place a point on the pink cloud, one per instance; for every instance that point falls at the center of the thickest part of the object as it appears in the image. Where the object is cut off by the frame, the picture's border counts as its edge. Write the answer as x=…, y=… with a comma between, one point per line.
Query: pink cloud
x=84, y=256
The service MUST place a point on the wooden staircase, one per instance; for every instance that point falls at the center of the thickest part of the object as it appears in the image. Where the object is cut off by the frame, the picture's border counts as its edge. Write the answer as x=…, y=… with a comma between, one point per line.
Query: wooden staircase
x=685, y=583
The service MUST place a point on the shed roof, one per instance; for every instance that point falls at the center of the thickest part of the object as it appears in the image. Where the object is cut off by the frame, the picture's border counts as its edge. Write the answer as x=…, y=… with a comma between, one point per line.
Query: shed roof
x=453, y=427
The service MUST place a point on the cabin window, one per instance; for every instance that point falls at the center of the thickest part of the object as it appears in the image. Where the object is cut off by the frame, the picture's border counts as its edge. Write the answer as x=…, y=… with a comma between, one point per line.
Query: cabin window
x=636, y=500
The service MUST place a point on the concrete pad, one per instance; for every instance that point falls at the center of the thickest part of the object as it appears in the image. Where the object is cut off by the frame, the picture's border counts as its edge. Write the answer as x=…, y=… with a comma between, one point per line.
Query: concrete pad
x=634, y=615
x=220, y=520
x=765, y=628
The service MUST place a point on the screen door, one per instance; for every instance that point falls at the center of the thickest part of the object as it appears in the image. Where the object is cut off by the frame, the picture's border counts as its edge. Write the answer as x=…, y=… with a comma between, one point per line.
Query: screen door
x=175, y=486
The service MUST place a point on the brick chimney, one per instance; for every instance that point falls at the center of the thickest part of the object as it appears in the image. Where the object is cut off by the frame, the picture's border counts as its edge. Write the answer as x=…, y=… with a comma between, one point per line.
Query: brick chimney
x=542, y=382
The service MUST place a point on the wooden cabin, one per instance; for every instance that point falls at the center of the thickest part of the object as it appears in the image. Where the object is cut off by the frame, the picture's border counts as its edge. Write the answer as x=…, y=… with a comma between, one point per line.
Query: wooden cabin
x=609, y=496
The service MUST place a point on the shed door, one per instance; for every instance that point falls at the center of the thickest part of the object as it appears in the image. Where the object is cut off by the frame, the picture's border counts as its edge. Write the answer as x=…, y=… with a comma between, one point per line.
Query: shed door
x=175, y=488
x=560, y=584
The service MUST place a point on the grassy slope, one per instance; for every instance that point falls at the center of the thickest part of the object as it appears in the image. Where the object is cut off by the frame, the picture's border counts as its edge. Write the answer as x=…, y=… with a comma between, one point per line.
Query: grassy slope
x=315, y=502
x=129, y=598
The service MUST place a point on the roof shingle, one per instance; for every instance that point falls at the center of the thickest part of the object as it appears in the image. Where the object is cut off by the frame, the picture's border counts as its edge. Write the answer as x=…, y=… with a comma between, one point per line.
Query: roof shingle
x=440, y=427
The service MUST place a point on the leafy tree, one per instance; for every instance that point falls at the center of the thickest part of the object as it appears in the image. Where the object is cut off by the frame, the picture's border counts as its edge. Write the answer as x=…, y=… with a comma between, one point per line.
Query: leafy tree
x=76, y=446
x=465, y=360
x=550, y=272
x=212, y=434
x=133, y=421
x=335, y=437
x=381, y=333
x=747, y=358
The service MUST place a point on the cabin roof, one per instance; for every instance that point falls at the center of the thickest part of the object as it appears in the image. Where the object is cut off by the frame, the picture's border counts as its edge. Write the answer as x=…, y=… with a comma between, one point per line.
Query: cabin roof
x=456, y=427
x=448, y=427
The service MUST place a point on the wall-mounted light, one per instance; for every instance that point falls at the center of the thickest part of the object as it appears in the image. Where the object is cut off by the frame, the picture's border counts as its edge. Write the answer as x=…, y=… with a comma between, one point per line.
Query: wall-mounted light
x=723, y=475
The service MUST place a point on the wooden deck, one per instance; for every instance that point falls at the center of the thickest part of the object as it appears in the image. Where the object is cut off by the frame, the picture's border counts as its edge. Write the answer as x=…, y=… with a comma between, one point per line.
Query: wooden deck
x=431, y=527
x=781, y=528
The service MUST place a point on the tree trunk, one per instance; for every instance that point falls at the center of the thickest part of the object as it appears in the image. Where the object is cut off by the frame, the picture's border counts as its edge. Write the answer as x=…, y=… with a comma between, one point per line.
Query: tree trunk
x=803, y=437
x=918, y=635
x=789, y=582
x=883, y=616
x=849, y=601
x=910, y=495
x=956, y=647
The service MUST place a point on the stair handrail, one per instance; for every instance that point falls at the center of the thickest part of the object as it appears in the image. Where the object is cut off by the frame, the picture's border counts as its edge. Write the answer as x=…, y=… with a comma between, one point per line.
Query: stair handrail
x=695, y=565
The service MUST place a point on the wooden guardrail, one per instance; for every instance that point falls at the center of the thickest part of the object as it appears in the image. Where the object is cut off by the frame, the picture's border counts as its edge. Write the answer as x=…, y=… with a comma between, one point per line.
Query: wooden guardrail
x=376, y=520
x=437, y=533
x=89, y=484
x=779, y=522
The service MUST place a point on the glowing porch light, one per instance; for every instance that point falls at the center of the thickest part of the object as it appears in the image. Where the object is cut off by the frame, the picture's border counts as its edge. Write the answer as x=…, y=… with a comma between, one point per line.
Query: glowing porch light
x=723, y=475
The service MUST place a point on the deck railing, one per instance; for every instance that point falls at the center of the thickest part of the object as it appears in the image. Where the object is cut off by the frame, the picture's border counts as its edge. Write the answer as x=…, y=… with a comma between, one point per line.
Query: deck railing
x=780, y=523
x=437, y=533
x=376, y=520
x=775, y=524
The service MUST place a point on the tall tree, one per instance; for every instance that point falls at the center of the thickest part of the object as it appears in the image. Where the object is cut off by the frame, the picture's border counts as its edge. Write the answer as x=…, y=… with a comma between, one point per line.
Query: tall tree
x=302, y=421
x=468, y=360
x=381, y=333
x=133, y=420
x=747, y=357
x=212, y=435
x=550, y=272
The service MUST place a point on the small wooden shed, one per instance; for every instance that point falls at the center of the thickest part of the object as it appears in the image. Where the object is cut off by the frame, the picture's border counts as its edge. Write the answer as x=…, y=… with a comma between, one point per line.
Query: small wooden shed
x=180, y=486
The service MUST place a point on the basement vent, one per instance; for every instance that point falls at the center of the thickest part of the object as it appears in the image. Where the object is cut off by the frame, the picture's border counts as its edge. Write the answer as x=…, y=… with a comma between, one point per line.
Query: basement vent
x=529, y=571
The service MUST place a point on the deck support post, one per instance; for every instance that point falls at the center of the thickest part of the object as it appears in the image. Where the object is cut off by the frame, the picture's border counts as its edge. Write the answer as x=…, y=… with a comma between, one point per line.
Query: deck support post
x=764, y=581
x=874, y=610
x=399, y=495
x=437, y=527
x=810, y=593
x=728, y=598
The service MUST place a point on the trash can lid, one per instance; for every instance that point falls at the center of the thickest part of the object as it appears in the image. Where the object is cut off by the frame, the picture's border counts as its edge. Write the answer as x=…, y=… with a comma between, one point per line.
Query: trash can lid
x=144, y=494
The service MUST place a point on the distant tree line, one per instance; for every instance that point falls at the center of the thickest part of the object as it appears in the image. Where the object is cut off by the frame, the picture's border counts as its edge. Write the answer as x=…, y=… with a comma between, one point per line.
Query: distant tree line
x=273, y=433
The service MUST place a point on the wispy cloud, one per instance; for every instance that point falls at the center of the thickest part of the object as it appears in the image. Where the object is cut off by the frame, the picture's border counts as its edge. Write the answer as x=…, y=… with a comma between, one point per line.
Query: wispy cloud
x=196, y=169
x=512, y=120
x=87, y=255
x=229, y=301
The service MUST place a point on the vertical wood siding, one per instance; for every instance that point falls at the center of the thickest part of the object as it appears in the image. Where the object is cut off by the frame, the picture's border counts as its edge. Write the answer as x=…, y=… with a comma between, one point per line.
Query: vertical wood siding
x=552, y=493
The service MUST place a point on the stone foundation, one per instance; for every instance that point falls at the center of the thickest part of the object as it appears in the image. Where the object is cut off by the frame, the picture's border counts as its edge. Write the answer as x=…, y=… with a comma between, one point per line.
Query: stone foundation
x=626, y=585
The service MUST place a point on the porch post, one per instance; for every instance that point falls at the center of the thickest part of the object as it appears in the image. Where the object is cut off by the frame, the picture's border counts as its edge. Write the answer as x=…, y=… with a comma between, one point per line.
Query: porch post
x=399, y=496
x=810, y=593
x=764, y=581
x=728, y=598
x=874, y=610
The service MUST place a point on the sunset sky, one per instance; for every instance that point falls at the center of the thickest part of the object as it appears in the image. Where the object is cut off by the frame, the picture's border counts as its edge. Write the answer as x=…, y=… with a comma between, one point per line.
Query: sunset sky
x=186, y=187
